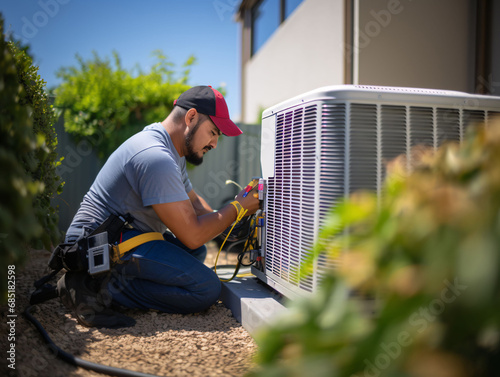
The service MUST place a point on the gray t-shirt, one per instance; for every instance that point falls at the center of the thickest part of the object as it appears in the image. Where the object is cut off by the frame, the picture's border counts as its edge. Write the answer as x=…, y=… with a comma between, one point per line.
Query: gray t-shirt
x=145, y=170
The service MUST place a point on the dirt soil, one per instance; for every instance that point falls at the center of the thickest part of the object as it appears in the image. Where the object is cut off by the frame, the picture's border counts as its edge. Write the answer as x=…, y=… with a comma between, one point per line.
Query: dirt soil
x=211, y=343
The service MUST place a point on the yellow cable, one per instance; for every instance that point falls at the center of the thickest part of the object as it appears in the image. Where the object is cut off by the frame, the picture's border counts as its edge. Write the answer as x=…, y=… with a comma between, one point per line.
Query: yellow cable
x=241, y=213
x=246, y=274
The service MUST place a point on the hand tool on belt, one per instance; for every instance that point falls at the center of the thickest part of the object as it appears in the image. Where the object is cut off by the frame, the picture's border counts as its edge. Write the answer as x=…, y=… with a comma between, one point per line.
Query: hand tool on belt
x=95, y=253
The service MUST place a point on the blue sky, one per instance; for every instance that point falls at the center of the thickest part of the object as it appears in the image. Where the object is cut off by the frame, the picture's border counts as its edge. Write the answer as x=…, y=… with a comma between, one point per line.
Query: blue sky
x=56, y=30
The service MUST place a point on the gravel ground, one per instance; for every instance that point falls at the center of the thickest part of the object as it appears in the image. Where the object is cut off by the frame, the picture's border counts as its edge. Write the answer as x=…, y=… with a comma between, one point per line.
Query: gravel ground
x=211, y=343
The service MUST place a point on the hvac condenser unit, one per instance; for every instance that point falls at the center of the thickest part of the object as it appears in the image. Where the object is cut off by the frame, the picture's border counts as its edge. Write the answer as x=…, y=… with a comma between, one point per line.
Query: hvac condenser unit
x=320, y=146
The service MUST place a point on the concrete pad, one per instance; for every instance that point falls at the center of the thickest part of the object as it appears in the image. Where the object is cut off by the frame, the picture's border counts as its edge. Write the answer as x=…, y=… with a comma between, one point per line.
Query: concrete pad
x=252, y=303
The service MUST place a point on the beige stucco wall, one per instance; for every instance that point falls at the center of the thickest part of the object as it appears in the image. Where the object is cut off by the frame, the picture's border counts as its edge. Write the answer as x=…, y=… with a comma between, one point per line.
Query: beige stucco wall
x=424, y=43
x=305, y=53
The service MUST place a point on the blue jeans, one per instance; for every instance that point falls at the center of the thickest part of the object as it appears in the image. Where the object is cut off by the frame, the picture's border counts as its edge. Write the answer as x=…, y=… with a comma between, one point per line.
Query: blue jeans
x=164, y=275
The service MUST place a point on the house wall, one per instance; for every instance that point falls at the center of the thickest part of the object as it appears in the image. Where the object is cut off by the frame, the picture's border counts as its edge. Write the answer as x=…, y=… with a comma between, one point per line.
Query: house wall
x=424, y=44
x=306, y=52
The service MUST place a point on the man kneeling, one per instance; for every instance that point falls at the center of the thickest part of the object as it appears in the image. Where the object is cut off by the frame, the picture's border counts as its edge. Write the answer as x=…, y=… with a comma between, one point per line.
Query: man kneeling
x=146, y=178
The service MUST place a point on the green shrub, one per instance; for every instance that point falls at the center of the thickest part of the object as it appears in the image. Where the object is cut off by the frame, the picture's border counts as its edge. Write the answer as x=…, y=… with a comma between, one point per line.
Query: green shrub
x=28, y=160
x=18, y=223
x=428, y=255
x=41, y=162
x=100, y=97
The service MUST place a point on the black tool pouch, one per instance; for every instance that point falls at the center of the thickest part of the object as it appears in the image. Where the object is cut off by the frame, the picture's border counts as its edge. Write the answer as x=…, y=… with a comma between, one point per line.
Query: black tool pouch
x=71, y=256
x=87, y=254
x=75, y=256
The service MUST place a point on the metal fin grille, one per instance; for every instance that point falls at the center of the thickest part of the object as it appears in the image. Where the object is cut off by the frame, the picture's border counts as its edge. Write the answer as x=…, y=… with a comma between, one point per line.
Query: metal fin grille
x=328, y=149
x=291, y=196
x=448, y=125
x=421, y=121
x=394, y=134
x=332, y=169
x=363, y=147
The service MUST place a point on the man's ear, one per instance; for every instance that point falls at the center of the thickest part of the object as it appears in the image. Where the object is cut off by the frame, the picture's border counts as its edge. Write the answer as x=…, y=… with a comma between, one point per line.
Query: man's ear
x=191, y=117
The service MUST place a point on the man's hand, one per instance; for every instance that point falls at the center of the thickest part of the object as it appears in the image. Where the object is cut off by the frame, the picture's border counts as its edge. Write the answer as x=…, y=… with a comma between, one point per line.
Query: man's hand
x=250, y=202
x=194, y=230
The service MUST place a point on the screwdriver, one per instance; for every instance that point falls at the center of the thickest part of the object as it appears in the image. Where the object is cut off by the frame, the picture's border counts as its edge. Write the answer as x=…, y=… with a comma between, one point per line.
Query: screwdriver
x=249, y=188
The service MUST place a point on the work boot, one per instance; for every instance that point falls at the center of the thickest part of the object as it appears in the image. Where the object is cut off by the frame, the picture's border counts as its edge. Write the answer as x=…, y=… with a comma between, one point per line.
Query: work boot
x=90, y=301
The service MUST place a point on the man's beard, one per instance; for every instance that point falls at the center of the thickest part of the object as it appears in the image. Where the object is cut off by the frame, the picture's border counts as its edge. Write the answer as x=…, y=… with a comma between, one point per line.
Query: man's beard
x=191, y=156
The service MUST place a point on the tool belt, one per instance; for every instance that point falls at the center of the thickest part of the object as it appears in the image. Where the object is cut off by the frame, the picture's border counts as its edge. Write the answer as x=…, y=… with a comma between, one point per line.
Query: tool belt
x=96, y=254
x=100, y=250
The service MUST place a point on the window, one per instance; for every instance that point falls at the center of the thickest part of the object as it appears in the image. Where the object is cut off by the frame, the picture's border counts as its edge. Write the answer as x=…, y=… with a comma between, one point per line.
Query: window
x=267, y=15
x=265, y=20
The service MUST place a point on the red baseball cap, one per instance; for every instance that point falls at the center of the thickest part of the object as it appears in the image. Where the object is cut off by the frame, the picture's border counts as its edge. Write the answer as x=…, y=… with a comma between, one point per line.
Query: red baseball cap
x=208, y=101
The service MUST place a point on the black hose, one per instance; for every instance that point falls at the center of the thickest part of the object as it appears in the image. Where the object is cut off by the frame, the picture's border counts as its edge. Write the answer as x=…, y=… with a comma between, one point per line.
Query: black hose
x=71, y=359
x=237, y=243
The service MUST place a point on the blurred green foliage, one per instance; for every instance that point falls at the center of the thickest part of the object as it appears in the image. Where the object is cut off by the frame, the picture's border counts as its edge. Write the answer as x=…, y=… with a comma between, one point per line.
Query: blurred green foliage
x=100, y=97
x=40, y=163
x=417, y=289
x=27, y=157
